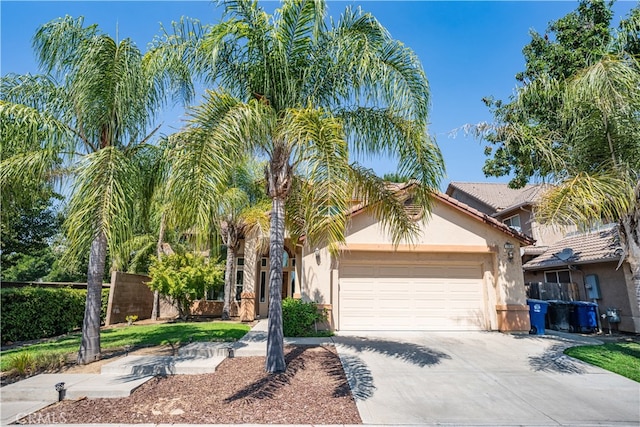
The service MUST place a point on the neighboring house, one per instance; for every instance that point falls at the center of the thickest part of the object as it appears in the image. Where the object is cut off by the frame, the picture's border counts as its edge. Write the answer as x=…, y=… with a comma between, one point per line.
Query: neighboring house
x=590, y=257
x=590, y=260
x=460, y=274
x=512, y=206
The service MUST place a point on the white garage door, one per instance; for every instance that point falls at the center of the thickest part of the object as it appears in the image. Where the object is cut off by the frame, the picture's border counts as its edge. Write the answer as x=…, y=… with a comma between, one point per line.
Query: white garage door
x=411, y=297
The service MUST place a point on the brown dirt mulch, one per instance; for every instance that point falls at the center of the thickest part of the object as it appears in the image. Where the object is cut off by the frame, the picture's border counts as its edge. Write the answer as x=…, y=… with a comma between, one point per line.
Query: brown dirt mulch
x=313, y=390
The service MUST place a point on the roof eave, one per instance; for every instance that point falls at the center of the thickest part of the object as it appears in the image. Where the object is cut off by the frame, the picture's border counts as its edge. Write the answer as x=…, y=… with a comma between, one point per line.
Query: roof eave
x=566, y=264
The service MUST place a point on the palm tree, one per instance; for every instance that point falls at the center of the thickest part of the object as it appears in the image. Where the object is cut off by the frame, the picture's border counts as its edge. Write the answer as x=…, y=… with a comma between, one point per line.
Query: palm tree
x=594, y=157
x=600, y=178
x=88, y=116
x=242, y=212
x=301, y=92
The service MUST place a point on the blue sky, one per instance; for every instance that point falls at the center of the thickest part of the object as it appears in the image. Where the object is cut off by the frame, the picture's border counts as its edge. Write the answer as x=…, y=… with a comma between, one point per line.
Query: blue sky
x=469, y=50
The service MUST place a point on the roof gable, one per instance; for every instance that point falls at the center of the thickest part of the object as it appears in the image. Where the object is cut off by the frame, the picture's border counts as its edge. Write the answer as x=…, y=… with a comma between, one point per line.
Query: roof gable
x=489, y=220
x=459, y=206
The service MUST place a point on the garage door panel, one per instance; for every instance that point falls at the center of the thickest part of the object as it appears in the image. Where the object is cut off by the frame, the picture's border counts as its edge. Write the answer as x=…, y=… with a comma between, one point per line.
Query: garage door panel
x=382, y=297
x=391, y=272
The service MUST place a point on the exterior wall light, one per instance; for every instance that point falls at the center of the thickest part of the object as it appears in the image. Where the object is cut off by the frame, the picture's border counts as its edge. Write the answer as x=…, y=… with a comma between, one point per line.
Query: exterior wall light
x=317, y=253
x=508, y=247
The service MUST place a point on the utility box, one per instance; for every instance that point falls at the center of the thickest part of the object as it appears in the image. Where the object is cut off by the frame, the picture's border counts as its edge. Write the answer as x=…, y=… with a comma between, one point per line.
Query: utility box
x=592, y=284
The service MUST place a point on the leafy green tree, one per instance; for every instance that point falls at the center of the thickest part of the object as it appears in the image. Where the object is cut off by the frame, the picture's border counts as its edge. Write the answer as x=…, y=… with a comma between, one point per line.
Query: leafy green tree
x=395, y=177
x=570, y=44
x=573, y=43
x=303, y=92
x=29, y=267
x=184, y=279
x=86, y=118
x=28, y=223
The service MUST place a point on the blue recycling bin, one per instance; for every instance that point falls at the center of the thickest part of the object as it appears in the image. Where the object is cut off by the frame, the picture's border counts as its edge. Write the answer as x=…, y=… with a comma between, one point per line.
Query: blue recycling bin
x=584, y=317
x=537, y=314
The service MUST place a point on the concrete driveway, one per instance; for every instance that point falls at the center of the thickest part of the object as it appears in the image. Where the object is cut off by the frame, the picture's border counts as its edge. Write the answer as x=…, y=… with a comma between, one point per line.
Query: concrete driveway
x=481, y=378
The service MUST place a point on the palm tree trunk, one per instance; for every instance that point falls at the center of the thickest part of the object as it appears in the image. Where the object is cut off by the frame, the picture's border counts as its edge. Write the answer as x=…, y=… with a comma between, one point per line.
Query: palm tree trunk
x=633, y=254
x=275, y=338
x=155, y=311
x=90, y=344
x=630, y=233
x=228, y=279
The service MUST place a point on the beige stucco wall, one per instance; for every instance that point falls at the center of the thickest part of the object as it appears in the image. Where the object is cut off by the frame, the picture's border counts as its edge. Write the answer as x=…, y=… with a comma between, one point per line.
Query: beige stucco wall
x=546, y=235
x=316, y=275
x=448, y=236
x=446, y=226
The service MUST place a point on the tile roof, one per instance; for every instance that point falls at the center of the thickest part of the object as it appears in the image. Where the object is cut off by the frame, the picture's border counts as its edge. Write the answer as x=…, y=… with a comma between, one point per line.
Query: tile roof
x=499, y=196
x=596, y=246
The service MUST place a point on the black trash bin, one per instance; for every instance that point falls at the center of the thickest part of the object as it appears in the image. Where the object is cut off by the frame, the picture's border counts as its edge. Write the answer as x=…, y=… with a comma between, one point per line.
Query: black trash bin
x=537, y=313
x=584, y=316
x=558, y=315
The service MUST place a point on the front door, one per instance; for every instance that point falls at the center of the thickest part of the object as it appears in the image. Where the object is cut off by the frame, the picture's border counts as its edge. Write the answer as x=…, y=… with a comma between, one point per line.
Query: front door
x=286, y=288
x=285, y=282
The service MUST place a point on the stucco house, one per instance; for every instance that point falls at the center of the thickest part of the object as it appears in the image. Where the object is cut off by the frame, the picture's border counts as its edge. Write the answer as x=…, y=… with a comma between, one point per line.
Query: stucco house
x=513, y=207
x=461, y=273
x=591, y=261
x=580, y=263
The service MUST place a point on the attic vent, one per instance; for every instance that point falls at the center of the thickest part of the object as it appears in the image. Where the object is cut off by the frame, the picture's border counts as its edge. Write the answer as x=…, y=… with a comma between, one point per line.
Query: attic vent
x=414, y=211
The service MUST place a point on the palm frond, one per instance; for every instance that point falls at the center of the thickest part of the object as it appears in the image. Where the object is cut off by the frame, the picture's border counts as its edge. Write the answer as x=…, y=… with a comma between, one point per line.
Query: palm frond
x=25, y=128
x=297, y=24
x=588, y=198
x=102, y=200
x=56, y=43
x=385, y=204
x=171, y=59
x=320, y=157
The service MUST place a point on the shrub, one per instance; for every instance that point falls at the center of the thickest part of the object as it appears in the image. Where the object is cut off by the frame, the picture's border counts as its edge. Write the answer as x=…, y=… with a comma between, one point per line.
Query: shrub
x=32, y=313
x=22, y=363
x=184, y=279
x=131, y=318
x=50, y=361
x=299, y=318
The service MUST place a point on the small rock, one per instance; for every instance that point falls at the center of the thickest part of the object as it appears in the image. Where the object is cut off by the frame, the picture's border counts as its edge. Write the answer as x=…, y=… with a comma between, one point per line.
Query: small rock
x=156, y=412
x=176, y=412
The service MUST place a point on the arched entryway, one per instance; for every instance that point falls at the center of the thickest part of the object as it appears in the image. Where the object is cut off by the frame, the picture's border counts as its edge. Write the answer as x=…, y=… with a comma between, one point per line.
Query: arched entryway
x=290, y=284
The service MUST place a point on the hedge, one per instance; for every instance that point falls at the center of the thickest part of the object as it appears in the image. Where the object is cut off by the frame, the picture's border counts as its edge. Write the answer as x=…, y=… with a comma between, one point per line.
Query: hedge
x=32, y=313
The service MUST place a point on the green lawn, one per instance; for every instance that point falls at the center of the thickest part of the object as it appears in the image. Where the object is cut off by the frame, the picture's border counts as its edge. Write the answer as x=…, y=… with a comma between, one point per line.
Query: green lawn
x=134, y=336
x=622, y=358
